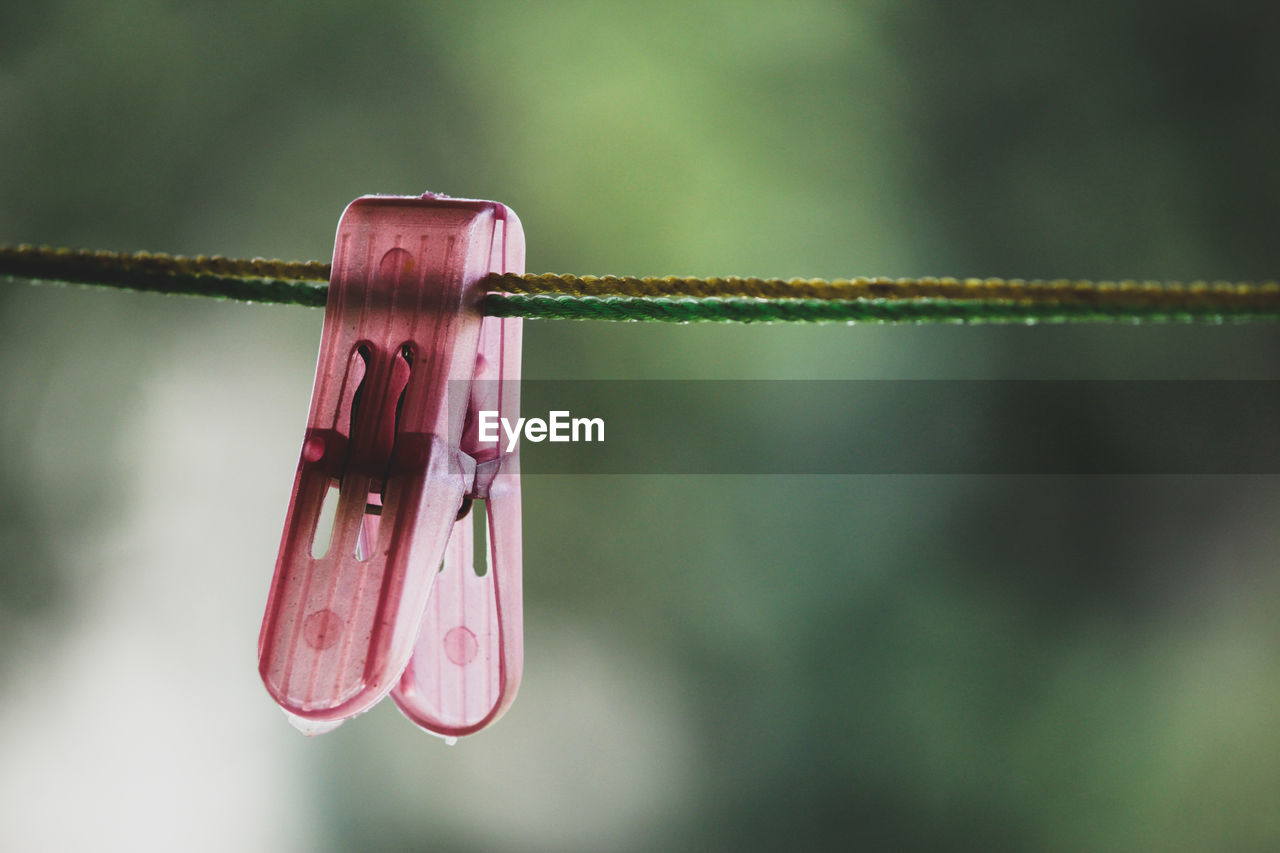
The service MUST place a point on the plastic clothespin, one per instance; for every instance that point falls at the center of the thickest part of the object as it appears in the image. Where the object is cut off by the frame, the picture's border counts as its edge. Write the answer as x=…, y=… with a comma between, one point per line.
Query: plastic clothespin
x=390, y=601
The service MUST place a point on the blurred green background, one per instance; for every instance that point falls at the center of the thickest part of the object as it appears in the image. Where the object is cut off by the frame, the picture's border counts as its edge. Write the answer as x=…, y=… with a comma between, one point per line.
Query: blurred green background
x=728, y=663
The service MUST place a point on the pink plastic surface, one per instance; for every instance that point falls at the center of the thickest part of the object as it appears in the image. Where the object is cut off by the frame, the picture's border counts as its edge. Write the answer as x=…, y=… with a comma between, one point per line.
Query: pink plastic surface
x=467, y=662
x=404, y=343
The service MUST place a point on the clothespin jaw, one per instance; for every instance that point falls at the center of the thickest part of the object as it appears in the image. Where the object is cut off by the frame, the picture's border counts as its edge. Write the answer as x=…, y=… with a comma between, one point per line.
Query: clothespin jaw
x=467, y=663
x=396, y=381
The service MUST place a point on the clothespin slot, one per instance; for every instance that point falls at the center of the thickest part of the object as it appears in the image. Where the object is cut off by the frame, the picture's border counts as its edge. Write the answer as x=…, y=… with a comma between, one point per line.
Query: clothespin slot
x=404, y=359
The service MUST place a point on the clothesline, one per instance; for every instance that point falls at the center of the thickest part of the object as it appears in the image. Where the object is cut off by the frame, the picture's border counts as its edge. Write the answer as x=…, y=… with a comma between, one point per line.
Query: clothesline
x=684, y=300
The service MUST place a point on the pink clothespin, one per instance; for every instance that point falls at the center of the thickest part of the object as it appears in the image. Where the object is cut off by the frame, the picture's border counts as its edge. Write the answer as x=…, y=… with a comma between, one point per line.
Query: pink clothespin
x=390, y=602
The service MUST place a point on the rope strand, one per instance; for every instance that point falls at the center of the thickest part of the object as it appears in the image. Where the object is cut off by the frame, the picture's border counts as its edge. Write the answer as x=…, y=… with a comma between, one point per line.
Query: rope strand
x=1062, y=291
x=687, y=300
x=927, y=310
x=257, y=280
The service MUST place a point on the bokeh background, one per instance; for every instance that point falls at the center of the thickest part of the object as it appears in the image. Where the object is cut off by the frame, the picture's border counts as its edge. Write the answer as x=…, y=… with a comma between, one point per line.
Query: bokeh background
x=733, y=662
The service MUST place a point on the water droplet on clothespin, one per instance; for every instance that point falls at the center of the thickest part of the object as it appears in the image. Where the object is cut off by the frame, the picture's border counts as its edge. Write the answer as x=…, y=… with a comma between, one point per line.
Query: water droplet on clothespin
x=311, y=728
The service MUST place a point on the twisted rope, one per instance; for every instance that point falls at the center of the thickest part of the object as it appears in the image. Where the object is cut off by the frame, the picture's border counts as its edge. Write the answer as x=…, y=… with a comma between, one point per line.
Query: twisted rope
x=688, y=300
x=926, y=310
x=255, y=280
x=1170, y=295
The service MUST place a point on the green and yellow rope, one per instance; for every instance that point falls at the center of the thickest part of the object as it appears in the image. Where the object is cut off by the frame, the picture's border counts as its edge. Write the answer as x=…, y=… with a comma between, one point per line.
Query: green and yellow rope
x=688, y=300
